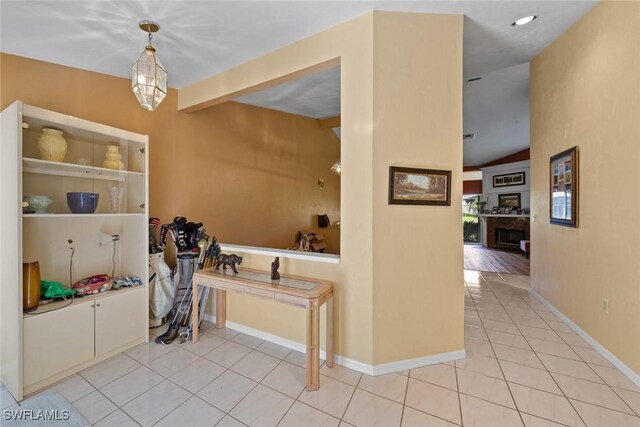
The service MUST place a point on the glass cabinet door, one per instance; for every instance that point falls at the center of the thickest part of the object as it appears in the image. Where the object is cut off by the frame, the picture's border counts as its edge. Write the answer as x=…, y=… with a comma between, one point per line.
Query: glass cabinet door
x=79, y=170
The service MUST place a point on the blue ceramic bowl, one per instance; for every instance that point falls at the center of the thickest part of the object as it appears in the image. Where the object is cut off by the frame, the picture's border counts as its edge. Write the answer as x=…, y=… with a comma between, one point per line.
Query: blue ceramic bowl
x=82, y=203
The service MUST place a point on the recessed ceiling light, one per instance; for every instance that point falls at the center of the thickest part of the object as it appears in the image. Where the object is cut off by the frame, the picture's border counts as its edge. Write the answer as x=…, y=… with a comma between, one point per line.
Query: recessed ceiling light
x=525, y=20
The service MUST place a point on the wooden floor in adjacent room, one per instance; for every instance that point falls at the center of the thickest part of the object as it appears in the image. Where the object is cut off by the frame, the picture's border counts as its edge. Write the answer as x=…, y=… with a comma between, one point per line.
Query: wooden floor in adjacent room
x=480, y=258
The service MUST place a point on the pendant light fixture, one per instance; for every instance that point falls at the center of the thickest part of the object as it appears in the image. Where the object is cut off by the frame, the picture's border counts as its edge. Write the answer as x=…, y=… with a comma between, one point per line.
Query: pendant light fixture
x=149, y=77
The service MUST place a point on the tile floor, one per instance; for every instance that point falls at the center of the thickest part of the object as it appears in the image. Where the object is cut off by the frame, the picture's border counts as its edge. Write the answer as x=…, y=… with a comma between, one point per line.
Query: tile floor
x=523, y=367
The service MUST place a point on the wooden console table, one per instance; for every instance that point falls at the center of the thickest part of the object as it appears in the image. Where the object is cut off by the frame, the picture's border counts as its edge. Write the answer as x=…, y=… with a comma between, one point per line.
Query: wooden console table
x=303, y=292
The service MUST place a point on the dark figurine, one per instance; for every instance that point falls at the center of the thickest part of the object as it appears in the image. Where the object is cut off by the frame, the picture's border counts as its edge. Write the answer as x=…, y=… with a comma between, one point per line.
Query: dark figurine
x=228, y=260
x=275, y=265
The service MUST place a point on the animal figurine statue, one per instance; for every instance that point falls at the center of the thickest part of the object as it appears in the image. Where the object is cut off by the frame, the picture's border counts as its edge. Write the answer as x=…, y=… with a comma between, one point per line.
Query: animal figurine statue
x=274, y=269
x=228, y=260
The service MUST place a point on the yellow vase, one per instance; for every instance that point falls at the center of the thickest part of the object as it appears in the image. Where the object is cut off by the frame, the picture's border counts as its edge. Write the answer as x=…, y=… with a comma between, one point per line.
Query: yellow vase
x=51, y=145
x=112, y=160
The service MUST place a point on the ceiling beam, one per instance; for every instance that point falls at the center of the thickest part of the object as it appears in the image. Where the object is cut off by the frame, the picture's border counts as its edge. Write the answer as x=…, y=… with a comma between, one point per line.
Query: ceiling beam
x=330, y=122
x=198, y=96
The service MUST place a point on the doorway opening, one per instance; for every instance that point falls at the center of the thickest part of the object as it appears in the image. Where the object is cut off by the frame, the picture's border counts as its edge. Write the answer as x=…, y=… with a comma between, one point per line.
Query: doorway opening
x=496, y=187
x=471, y=220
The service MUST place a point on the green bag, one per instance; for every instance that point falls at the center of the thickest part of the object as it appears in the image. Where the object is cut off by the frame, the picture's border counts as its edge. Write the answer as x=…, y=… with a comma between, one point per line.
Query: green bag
x=51, y=289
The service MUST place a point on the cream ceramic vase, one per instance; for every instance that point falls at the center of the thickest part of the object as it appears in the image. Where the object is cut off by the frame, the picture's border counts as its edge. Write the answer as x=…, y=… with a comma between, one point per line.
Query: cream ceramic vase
x=113, y=158
x=51, y=145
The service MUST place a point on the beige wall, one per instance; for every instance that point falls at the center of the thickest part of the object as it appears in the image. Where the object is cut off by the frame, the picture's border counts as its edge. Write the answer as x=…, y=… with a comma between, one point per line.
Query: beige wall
x=351, y=45
x=399, y=282
x=250, y=174
x=428, y=303
x=417, y=257
x=585, y=92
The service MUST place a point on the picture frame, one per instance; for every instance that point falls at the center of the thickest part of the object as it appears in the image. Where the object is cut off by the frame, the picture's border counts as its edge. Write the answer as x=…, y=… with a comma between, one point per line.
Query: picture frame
x=563, y=188
x=509, y=179
x=510, y=200
x=414, y=186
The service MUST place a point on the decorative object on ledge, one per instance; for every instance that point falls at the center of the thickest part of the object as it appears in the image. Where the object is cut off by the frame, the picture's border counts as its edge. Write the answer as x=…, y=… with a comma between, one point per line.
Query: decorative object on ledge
x=509, y=179
x=149, y=77
x=323, y=220
x=563, y=188
x=275, y=265
x=412, y=186
x=510, y=200
x=51, y=145
x=307, y=241
x=113, y=158
x=228, y=260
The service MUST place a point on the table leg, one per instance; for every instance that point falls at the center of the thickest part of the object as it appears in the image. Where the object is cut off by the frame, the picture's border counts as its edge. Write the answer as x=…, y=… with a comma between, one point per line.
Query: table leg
x=221, y=308
x=330, y=331
x=195, y=312
x=313, y=345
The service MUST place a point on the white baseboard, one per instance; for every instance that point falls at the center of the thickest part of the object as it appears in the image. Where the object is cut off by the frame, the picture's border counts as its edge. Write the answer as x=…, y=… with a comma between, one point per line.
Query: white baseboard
x=401, y=365
x=364, y=368
x=595, y=344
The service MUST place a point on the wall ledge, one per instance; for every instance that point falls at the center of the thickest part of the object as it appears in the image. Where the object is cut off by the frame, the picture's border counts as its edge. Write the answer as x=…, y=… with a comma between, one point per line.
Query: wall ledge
x=385, y=368
x=627, y=371
x=283, y=253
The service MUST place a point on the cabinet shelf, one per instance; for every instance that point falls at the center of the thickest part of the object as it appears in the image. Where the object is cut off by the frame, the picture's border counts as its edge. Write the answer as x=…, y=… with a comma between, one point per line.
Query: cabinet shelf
x=47, y=167
x=71, y=215
x=63, y=304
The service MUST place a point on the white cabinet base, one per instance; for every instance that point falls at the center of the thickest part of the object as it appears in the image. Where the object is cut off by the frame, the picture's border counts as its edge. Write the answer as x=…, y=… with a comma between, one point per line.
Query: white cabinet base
x=64, y=374
x=119, y=320
x=61, y=342
x=57, y=341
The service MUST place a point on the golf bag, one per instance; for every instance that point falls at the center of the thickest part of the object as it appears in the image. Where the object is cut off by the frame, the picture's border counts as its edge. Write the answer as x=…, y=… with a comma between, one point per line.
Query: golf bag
x=161, y=290
x=194, y=250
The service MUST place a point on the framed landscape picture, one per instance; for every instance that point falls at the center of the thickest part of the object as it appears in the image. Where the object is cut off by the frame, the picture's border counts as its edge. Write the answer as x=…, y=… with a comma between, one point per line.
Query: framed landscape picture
x=411, y=186
x=511, y=200
x=509, y=179
x=563, y=188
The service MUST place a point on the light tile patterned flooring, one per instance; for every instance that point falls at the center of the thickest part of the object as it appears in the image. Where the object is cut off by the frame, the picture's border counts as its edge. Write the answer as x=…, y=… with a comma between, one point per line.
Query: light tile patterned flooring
x=523, y=367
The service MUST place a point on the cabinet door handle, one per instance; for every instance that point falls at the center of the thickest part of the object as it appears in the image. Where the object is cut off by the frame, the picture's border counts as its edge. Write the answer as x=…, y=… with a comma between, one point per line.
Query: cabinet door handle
x=93, y=305
x=98, y=305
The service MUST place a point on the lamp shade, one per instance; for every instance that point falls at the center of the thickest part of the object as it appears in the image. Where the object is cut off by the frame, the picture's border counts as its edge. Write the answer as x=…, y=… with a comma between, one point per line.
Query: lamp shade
x=149, y=79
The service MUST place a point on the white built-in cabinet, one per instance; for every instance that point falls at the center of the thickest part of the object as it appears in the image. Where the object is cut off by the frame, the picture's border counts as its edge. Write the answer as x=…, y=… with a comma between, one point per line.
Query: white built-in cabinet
x=60, y=338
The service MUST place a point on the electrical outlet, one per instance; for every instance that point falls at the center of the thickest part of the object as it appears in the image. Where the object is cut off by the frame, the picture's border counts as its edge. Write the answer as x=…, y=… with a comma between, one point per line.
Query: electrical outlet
x=605, y=305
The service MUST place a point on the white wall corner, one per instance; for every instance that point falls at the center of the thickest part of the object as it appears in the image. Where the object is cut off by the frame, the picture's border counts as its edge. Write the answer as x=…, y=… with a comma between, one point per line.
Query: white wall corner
x=627, y=371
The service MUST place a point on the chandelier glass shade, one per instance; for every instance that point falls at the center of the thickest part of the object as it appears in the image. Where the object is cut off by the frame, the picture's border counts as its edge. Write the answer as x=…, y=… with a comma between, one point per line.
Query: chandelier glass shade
x=149, y=76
